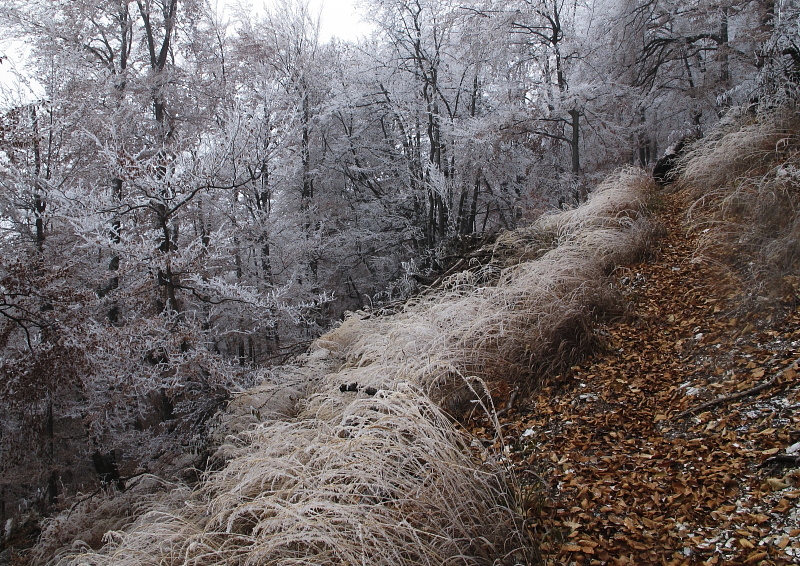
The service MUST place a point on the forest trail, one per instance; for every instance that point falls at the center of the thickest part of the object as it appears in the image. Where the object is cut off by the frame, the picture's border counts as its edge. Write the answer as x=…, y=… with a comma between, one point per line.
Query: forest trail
x=631, y=477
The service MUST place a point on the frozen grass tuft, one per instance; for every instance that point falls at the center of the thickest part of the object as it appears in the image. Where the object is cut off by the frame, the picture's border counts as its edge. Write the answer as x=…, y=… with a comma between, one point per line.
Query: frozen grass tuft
x=617, y=205
x=378, y=480
x=745, y=181
x=384, y=480
x=98, y=518
x=536, y=319
x=743, y=146
x=352, y=457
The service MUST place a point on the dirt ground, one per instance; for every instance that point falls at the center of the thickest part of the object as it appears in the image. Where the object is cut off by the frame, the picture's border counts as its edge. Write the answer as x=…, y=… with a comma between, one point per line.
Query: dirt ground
x=676, y=443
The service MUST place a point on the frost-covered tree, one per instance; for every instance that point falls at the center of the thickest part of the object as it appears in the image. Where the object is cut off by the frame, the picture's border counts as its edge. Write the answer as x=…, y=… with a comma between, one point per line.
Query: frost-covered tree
x=778, y=61
x=440, y=91
x=125, y=316
x=688, y=61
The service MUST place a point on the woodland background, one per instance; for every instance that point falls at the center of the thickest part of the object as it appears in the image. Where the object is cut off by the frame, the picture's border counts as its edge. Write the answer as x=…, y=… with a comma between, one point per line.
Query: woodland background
x=195, y=197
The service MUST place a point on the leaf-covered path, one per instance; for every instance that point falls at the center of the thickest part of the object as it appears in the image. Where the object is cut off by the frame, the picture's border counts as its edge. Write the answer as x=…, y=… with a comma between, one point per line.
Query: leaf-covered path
x=631, y=472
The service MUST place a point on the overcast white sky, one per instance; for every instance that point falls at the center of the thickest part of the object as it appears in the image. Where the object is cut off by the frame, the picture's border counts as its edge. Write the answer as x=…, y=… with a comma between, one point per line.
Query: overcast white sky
x=340, y=18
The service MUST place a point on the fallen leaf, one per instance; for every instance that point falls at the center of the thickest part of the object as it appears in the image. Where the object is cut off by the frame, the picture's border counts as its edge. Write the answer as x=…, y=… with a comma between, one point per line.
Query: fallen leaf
x=753, y=558
x=776, y=484
x=782, y=507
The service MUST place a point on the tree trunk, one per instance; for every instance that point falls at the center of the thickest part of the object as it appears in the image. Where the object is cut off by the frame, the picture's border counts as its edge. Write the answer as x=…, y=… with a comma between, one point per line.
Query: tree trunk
x=113, y=264
x=723, y=49
x=38, y=199
x=473, y=211
x=461, y=217
x=430, y=229
x=52, y=480
x=575, y=141
x=644, y=143
x=166, y=278
x=307, y=191
x=442, y=211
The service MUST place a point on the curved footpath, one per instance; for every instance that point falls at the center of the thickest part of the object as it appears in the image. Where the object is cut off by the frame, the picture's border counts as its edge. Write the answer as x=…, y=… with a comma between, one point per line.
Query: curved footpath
x=670, y=445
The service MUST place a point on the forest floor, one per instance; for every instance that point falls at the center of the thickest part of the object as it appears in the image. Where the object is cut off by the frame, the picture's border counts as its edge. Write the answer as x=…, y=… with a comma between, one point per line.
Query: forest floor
x=677, y=442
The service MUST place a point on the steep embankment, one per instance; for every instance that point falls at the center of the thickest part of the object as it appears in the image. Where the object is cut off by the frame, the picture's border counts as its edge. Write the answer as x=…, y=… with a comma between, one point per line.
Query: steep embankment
x=348, y=457
x=670, y=445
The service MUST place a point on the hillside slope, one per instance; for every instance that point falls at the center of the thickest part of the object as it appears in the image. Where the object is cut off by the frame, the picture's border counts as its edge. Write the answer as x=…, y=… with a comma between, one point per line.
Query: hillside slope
x=621, y=402
x=347, y=456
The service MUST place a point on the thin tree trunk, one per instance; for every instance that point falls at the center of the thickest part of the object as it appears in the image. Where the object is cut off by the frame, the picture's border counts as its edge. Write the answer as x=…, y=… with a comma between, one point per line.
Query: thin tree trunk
x=643, y=139
x=473, y=211
x=461, y=216
x=723, y=50
x=166, y=278
x=307, y=191
x=38, y=199
x=575, y=141
x=52, y=480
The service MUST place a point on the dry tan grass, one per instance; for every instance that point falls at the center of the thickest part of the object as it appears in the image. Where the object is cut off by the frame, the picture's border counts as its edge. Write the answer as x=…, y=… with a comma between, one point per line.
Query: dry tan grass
x=745, y=180
x=95, y=518
x=382, y=480
x=743, y=146
x=614, y=203
x=534, y=320
x=617, y=204
x=328, y=476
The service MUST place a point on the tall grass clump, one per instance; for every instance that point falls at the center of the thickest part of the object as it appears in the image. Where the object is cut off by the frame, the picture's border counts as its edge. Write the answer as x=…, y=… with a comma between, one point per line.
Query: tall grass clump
x=382, y=480
x=95, y=517
x=333, y=477
x=618, y=204
x=534, y=320
x=745, y=182
x=353, y=456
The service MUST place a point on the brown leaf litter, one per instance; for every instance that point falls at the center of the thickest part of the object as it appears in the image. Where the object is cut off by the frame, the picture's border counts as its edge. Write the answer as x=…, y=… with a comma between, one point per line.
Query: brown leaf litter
x=676, y=444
